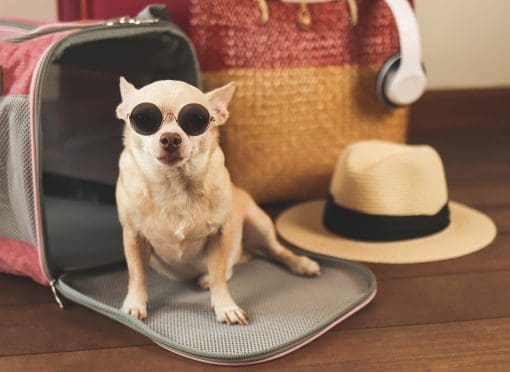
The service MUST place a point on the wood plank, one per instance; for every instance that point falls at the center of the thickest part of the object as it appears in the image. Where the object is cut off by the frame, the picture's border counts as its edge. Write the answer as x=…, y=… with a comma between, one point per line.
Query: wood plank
x=436, y=299
x=18, y=290
x=472, y=345
x=455, y=147
x=482, y=193
x=495, y=257
x=407, y=301
x=26, y=329
x=461, y=109
x=453, y=139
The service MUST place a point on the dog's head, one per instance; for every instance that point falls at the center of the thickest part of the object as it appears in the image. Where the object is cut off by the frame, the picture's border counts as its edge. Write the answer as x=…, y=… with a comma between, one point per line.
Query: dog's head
x=170, y=122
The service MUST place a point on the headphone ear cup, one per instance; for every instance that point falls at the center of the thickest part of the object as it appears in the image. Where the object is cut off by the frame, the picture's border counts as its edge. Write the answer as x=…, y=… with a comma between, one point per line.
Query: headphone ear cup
x=389, y=68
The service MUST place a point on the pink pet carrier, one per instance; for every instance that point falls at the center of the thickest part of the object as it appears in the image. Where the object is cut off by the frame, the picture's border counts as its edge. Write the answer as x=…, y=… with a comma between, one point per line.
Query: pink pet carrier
x=59, y=147
x=59, y=137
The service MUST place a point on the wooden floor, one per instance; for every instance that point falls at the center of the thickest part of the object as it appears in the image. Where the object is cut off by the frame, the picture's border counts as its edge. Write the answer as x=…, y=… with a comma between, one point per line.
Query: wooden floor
x=445, y=315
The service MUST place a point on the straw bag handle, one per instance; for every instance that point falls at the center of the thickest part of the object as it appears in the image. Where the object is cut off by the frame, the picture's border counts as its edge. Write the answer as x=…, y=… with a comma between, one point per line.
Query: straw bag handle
x=304, y=18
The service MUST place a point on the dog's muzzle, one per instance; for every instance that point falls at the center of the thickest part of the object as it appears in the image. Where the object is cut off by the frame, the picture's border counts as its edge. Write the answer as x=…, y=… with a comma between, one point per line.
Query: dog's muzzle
x=170, y=142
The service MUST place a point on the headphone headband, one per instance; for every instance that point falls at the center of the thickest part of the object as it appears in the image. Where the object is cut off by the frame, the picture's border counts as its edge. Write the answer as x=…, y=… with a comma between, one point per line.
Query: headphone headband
x=408, y=32
x=407, y=82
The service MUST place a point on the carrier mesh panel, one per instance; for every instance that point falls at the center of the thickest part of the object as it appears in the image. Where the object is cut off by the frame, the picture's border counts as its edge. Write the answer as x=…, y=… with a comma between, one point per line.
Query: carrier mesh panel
x=16, y=190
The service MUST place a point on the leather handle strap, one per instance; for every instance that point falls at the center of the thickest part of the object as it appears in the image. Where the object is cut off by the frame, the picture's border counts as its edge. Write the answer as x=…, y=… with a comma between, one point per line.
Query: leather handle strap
x=264, y=11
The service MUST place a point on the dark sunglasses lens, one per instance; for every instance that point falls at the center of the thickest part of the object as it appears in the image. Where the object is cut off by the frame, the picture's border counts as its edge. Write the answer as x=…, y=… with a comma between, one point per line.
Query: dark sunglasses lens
x=194, y=119
x=146, y=118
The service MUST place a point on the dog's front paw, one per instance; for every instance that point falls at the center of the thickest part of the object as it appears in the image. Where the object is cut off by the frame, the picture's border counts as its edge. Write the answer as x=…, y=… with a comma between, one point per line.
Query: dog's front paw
x=136, y=307
x=305, y=266
x=232, y=314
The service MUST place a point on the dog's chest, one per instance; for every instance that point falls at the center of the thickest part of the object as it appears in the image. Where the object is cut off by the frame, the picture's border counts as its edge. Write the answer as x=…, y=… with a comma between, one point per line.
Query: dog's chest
x=177, y=228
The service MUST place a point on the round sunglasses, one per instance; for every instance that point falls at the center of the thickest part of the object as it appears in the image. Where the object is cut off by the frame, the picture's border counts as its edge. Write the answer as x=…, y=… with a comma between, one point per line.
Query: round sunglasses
x=146, y=118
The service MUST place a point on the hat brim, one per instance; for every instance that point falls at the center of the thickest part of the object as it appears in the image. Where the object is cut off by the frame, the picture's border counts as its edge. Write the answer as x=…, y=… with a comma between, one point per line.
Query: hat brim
x=469, y=230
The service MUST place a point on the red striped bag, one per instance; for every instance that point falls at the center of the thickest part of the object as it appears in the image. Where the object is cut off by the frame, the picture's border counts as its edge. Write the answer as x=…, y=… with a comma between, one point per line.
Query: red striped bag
x=306, y=86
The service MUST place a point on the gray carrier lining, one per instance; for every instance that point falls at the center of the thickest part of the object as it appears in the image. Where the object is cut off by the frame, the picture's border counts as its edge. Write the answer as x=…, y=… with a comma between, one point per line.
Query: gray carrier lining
x=284, y=309
x=80, y=135
x=83, y=234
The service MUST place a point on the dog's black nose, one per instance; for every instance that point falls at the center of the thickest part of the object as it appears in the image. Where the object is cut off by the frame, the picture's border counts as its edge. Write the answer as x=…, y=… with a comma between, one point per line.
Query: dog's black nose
x=170, y=141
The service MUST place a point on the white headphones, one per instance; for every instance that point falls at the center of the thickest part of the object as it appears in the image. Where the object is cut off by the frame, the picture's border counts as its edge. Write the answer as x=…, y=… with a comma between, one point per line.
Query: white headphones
x=402, y=79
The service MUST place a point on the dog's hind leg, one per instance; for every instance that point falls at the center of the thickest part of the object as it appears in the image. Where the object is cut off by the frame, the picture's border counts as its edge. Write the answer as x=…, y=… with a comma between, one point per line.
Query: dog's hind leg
x=259, y=234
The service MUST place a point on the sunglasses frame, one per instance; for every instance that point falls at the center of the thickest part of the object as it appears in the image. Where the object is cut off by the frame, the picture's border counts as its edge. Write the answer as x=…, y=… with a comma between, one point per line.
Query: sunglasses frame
x=164, y=117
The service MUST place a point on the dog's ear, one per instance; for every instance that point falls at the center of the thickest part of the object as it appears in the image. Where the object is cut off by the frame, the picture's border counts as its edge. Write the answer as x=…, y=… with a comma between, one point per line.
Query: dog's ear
x=126, y=90
x=219, y=99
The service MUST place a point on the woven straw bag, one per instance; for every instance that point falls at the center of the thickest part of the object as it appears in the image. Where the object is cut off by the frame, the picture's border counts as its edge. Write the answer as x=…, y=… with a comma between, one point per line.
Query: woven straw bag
x=306, y=78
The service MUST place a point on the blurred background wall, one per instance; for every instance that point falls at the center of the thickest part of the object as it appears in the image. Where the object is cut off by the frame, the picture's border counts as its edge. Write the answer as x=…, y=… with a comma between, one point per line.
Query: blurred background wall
x=466, y=43
x=45, y=10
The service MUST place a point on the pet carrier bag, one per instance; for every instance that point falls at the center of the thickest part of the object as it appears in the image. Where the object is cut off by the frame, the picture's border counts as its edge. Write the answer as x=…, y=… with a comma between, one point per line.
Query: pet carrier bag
x=59, y=147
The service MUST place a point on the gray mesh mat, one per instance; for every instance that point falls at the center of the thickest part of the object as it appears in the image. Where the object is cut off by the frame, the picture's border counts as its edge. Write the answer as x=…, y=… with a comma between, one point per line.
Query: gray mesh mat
x=284, y=309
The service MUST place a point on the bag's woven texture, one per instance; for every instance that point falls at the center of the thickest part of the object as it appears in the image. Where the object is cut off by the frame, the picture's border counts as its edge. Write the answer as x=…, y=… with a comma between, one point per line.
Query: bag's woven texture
x=302, y=96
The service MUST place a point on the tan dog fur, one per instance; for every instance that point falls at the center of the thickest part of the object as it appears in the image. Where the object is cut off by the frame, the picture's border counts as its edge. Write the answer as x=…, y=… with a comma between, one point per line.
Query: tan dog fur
x=181, y=214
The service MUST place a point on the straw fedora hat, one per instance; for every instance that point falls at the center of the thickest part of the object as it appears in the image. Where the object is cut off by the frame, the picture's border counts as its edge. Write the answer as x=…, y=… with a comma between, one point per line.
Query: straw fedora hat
x=388, y=203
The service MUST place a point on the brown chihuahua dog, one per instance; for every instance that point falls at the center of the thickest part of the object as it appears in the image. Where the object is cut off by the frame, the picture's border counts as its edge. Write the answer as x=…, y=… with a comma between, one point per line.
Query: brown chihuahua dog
x=179, y=211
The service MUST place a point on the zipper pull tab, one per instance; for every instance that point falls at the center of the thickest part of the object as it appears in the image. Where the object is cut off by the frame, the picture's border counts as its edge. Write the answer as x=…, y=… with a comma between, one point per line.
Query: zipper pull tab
x=130, y=21
x=55, y=294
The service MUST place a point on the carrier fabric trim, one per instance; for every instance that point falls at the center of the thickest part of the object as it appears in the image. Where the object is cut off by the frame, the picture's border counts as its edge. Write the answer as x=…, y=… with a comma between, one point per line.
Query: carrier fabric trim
x=20, y=258
x=381, y=228
x=19, y=61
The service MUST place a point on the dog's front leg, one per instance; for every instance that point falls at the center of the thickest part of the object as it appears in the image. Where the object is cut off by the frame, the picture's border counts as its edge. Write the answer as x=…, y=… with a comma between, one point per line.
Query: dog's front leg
x=218, y=250
x=137, y=256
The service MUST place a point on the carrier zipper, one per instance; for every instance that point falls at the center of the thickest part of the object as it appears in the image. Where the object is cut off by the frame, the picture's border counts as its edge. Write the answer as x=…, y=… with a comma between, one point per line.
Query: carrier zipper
x=130, y=21
x=55, y=293
x=16, y=26
x=122, y=21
